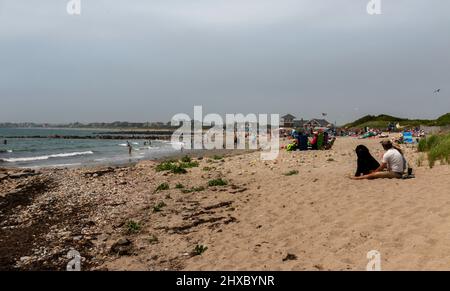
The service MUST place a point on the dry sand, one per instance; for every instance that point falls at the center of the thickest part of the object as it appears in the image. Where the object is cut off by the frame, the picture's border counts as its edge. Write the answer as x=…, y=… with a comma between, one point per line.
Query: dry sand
x=329, y=221
x=323, y=218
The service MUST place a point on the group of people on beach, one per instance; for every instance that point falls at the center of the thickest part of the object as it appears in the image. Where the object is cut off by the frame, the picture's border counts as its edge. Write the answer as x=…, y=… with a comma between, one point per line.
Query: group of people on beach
x=314, y=140
x=393, y=164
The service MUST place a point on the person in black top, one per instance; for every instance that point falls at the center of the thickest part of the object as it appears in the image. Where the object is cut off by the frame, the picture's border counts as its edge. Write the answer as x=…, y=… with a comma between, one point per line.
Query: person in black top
x=366, y=162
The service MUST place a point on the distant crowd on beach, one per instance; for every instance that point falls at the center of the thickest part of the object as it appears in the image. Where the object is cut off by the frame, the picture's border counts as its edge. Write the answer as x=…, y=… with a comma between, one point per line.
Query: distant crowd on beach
x=303, y=139
x=392, y=165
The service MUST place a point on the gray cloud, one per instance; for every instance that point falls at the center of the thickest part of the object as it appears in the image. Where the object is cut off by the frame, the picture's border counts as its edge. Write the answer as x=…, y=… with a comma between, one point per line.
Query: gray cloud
x=147, y=60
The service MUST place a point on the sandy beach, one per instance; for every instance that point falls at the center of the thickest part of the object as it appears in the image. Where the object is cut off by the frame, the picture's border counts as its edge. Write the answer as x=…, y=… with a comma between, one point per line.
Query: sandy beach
x=263, y=219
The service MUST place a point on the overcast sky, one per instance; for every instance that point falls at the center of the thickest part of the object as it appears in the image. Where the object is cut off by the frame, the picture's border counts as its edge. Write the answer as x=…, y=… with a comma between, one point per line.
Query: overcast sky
x=145, y=60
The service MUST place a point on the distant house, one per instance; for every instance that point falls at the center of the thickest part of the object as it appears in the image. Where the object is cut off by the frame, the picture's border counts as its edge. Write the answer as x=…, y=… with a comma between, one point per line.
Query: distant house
x=287, y=120
x=300, y=123
x=318, y=123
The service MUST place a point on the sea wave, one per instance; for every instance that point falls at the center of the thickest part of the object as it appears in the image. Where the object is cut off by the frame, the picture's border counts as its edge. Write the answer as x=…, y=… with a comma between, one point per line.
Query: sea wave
x=63, y=165
x=125, y=145
x=38, y=158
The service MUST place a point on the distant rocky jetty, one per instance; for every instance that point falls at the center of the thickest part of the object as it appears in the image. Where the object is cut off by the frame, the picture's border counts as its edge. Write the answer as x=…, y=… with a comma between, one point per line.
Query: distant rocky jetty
x=159, y=136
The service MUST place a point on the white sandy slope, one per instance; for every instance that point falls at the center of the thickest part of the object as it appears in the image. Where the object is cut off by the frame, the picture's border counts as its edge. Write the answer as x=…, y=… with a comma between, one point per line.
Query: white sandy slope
x=329, y=221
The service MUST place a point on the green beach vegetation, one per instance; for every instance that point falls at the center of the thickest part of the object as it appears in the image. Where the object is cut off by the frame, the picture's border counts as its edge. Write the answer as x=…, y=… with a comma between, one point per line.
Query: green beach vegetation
x=162, y=187
x=437, y=148
x=381, y=121
x=217, y=182
x=177, y=167
x=132, y=226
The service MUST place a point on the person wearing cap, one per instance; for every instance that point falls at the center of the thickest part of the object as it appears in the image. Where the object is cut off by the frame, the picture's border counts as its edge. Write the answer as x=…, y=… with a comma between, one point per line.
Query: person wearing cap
x=393, y=161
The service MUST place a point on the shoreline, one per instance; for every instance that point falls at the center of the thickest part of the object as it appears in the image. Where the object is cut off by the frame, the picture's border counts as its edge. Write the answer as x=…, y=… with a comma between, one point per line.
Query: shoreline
x=175, y=155
x=121, y=218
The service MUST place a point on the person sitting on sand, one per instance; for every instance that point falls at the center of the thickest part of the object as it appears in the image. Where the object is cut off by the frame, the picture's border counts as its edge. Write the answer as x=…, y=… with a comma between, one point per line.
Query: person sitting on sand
x=314, y=145
x=393, y=161
x=366, y=162
x=302, y=141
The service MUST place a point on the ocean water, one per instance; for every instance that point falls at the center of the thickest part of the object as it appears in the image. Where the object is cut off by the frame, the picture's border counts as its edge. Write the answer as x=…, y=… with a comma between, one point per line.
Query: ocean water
x=50, y=152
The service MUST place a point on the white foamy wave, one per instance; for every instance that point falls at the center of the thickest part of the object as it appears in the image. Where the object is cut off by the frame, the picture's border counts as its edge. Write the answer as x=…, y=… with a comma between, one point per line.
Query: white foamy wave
x=64, y=165
x=39, y=158
x=176, y=142
x=177, y=145
x=153, y=148
x=125, y=145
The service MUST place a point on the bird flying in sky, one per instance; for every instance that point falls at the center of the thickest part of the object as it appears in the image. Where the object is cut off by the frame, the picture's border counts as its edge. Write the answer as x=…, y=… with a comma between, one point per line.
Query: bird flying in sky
x=437, y=91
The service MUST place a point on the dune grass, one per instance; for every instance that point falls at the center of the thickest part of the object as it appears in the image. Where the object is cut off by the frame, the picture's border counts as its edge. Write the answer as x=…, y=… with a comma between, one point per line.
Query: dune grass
x=217, y=182
x=437, y=147
x=291, y=173
x=133, y=226
x=177, y=167
x=162, y=187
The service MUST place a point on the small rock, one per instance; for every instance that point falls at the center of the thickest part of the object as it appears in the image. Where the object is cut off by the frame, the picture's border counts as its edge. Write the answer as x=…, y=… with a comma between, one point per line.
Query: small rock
x=290, y=257
x=25, y=259
x=122, y=247
x=319, y=267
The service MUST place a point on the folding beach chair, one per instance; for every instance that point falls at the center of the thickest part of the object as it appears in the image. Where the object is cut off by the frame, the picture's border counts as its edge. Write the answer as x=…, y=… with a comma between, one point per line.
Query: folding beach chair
x=320, y=141
x=408, y=137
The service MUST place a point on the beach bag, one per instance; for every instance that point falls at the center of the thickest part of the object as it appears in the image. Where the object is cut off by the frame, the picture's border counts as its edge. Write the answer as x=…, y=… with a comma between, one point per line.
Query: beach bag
x=290, y=147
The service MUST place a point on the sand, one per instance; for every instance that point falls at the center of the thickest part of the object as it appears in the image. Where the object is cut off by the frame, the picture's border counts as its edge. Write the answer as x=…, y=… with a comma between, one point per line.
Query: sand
x=330, y=222
x=320, y=216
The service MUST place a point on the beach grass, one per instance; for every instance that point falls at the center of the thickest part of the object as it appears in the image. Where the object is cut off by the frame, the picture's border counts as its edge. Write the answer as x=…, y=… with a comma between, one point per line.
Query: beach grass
x=162, y=187
x=437, y=148
x=217, y=182
x=199, y=250
x=165, y=166
x=186, y=159
x=291, y=173
x=153, y=239
x=187, y=165
x=133, y=226
x=158, y=207
x=217, y=157
x=177, y=167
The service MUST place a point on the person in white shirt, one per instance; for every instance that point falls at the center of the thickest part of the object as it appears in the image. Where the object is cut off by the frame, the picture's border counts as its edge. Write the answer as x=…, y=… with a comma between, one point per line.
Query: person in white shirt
x=393, y=161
